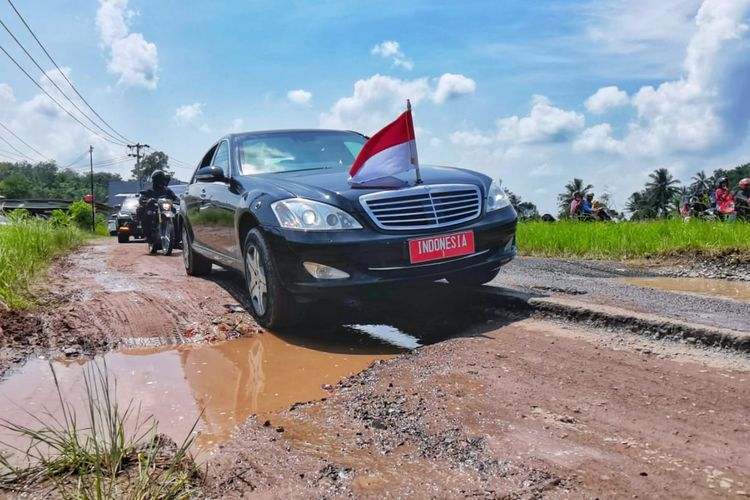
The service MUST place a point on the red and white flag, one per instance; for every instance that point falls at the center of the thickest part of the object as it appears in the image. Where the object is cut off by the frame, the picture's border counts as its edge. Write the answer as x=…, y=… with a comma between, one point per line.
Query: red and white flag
x=389, y=152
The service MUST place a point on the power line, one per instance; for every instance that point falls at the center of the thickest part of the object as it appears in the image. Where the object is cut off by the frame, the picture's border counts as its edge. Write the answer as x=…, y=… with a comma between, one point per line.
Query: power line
x=63, y=74
x=55, y=100
x=44, y=73
x=17, y=150
x=24, y=142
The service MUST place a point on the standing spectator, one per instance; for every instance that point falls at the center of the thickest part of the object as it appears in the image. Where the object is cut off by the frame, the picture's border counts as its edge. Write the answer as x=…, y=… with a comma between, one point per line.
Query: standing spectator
x=742, y=199
x=576, y=205
x=724, y=199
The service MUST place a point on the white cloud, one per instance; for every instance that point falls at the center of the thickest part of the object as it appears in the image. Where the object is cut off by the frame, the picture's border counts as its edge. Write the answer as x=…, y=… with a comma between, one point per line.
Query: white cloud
x=6, y=93
x=391, y=49
x=451, y=85
x=299, y=96
x=471, y=139
x=689, y=114
x=379, y=99
x=545, y=170
x=132, y=58
x=50, y=130
x=191, y=115
x=545, y=123
x=237, y=124
x=606, y=98
x=599, y=139
x=375, y=102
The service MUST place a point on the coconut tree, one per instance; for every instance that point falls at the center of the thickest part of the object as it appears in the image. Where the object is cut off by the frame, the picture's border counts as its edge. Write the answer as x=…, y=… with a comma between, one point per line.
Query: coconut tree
x=701, y=182
x=661, y=191
x=572, y=187
x=639, y=207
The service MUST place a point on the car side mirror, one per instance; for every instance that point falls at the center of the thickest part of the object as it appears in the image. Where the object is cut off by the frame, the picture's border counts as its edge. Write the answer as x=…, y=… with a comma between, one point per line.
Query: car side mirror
x=210, y=174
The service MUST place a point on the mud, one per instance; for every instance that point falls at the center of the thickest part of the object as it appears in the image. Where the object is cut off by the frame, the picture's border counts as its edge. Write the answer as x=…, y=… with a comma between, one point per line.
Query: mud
x=528, y=410
x=219, y=385
x=467, y=394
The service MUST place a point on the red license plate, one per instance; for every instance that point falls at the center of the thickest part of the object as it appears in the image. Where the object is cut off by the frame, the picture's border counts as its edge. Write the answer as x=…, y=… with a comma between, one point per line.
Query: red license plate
x=441, y=247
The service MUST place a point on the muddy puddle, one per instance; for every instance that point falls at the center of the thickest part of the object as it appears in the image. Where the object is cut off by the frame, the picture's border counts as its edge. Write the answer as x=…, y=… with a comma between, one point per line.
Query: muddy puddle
x=737, y=290
x=228, y=382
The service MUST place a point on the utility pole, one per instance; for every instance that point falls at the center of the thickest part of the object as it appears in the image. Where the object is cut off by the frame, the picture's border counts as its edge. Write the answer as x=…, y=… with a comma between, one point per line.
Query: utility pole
x=138, y=146
x=93, y=198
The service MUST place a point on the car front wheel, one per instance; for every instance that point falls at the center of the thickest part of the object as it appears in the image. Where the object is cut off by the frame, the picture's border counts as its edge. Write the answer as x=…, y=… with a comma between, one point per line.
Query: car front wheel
x=271, y=305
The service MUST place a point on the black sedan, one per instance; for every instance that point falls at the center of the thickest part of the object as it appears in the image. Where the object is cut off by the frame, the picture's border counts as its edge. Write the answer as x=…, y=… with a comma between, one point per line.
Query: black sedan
x=278, y=207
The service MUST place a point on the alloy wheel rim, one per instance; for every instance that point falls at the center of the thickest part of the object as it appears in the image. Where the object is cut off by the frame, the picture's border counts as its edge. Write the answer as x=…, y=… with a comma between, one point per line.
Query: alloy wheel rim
x=256, y=280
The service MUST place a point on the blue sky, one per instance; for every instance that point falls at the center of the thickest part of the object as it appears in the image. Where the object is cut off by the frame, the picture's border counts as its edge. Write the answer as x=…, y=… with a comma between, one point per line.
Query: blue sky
x=534, y=93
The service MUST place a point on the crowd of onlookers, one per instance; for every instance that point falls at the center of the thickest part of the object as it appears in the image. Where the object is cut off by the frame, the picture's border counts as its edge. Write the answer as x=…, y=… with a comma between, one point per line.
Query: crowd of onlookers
x=587, y=208
x=721, y=203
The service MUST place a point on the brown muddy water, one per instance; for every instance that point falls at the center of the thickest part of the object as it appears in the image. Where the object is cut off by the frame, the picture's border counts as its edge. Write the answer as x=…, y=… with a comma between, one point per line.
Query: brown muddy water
x=220, y=385
x=737, y=290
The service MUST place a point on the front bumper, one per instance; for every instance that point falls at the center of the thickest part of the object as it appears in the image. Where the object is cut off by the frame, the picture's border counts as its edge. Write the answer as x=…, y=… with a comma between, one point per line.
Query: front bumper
x=372, y=257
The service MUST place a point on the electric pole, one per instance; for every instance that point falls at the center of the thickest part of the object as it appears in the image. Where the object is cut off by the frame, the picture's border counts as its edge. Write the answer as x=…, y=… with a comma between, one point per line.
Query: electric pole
x=138, y=146
x=93, y=198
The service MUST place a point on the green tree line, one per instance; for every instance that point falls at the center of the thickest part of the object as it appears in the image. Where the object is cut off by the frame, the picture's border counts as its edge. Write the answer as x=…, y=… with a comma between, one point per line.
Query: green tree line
x=48, y=181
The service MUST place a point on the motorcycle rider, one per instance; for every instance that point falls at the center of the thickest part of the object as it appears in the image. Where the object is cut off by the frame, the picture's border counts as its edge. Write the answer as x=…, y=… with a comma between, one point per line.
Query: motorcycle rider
x=742, y=199
x=159, y=189
x=724, y=199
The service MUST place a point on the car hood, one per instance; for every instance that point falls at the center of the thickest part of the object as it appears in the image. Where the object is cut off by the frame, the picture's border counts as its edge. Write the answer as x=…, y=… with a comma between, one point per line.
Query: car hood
x=333, y=186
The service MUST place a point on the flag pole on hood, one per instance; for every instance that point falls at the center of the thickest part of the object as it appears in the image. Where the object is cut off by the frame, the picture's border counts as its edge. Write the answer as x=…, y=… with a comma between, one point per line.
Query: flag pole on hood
x=412, y=142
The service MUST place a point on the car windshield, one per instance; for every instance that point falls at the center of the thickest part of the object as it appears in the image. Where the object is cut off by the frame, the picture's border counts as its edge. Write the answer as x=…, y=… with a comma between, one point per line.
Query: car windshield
x=291, y=151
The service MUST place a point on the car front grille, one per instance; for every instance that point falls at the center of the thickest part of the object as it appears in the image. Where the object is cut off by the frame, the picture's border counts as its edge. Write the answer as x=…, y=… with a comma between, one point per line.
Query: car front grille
x=423, y=207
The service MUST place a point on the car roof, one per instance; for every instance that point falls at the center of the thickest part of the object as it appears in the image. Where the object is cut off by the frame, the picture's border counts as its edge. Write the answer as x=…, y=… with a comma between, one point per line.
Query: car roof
x=289, y=131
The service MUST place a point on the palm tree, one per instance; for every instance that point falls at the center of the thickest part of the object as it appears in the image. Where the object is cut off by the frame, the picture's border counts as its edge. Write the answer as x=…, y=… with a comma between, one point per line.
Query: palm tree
x=575, y=186
x=661, y=191
x=639, y=207
x=701, y=182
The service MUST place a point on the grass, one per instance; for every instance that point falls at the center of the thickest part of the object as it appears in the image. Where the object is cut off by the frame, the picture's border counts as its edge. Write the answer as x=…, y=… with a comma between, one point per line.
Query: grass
x=632, y=240
x=115, y=454
x=26, y=248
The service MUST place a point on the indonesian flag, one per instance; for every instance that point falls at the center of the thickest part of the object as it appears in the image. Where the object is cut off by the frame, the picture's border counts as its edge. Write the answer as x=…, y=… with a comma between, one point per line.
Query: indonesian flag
x=389, y=152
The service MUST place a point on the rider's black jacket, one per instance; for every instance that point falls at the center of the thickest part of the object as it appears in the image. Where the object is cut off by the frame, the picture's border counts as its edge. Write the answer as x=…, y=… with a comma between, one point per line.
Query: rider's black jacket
x=156, y=193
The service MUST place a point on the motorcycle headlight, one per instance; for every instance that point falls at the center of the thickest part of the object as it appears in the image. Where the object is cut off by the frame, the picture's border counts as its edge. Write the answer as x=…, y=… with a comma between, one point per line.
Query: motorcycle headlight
x=307, y=215
x=166, y=206
x=496, y=198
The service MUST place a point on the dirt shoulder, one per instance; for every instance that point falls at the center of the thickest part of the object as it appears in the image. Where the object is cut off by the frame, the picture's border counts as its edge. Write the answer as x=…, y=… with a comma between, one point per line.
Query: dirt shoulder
x=106, y=295
x=531, y=409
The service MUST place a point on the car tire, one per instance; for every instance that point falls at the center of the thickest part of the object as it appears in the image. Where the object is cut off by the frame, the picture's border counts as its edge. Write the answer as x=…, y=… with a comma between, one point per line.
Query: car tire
x=122, y=238
x=195, y=263
x=473, y=278
x=270, y=304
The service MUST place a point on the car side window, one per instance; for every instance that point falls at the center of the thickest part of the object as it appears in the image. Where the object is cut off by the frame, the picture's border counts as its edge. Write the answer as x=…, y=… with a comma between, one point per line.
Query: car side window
x=205, y=161
x=221, y=158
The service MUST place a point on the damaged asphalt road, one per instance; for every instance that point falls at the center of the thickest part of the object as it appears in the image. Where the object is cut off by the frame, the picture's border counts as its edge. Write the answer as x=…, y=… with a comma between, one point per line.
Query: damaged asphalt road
x=499, y=402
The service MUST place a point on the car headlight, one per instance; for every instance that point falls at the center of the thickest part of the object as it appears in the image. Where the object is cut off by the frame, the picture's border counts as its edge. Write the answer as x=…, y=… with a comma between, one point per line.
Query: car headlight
x=307, y=215
x=496, y=198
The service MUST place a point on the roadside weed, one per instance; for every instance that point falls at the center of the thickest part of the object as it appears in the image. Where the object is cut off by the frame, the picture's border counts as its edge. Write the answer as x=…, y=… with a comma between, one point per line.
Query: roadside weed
x=26, y=247
x=116, y=454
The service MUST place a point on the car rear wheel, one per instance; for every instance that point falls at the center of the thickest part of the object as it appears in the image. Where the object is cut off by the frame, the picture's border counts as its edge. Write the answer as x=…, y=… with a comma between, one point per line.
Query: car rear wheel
x=271, y=305
x=195, y=264
x=122, y=238
x=473, y=278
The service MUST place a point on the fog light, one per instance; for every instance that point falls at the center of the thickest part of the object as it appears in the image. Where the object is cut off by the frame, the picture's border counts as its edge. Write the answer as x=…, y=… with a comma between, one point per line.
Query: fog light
x=322, y=272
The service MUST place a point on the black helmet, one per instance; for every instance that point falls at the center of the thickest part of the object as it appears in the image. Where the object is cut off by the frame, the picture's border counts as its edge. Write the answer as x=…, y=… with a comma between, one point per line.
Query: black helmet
x=159, y=178
x=721, y=180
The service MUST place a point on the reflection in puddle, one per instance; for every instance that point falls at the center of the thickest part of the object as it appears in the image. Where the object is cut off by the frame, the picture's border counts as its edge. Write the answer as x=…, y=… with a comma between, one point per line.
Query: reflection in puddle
x=229, y=381
x=388, y=334
x=737, y=290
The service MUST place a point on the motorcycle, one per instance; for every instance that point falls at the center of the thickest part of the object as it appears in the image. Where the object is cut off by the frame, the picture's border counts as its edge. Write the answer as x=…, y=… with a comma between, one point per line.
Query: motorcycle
x=163, y=232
